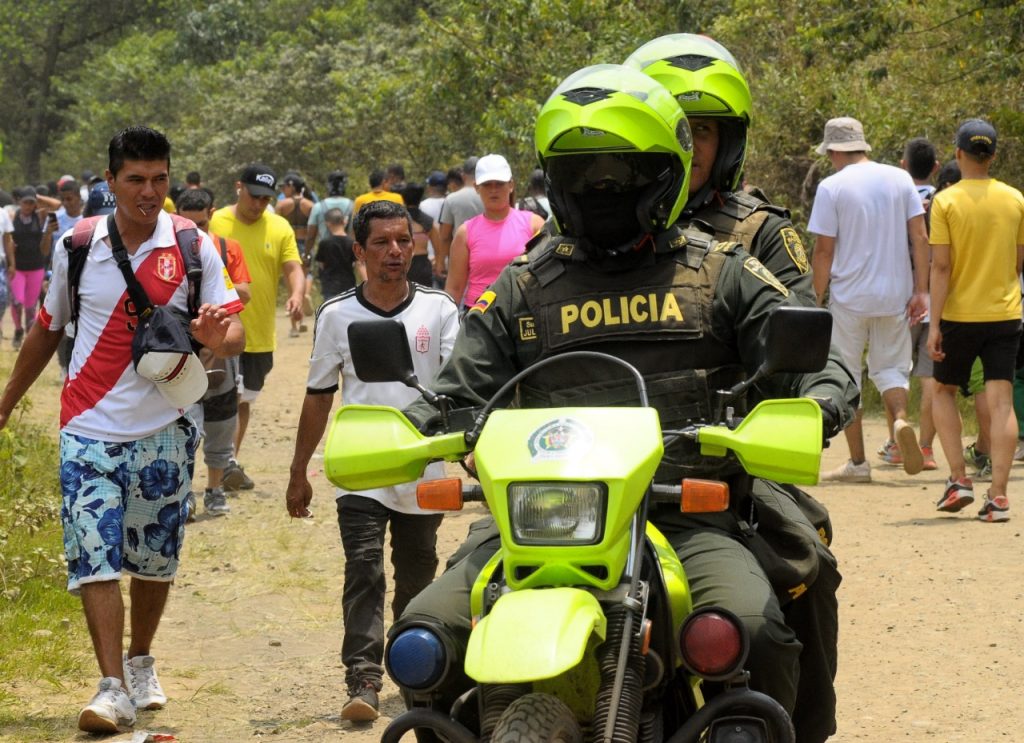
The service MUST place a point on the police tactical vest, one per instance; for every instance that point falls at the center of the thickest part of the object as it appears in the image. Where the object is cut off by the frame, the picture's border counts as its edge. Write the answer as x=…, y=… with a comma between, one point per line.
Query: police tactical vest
x=655, y=315
x=740, y=218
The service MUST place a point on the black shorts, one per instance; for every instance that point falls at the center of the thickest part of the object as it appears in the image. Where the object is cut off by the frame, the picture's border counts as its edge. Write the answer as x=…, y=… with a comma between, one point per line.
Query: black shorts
x=995, y=343
x=255, y=368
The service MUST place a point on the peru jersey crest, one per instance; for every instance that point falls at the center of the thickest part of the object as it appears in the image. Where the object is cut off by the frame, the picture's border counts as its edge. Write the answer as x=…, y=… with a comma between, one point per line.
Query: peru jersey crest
x=167, y=267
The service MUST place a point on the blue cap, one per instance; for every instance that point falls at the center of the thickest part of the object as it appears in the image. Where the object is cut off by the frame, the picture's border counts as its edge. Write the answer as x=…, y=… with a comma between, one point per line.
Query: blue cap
x=101, y=201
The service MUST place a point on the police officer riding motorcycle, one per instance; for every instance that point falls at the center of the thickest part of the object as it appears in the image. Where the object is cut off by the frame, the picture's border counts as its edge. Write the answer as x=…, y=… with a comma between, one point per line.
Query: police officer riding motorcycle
x=708, y=83
x=623, y=276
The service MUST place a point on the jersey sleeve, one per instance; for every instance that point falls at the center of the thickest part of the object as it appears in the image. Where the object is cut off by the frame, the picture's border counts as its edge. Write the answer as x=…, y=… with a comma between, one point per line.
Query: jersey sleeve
x=824, y=220
x=238, y=271
x=216, y=288
x=328, y=357
x=56, y=310
x=449, y=328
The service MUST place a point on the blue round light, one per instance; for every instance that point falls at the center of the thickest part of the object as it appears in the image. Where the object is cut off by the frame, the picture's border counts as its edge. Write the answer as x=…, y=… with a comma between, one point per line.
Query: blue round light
x=417, y=659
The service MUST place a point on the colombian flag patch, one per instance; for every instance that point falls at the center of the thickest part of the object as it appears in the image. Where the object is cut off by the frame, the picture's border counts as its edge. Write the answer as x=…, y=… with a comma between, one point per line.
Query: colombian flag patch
x=484, y=302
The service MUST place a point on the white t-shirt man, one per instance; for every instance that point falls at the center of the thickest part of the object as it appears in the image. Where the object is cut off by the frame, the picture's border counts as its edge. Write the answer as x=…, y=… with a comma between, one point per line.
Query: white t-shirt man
x=431, y=322
x=866, y=207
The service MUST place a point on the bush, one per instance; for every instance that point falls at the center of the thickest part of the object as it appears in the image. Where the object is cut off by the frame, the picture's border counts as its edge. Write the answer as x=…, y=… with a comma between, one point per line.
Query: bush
x=43, y=637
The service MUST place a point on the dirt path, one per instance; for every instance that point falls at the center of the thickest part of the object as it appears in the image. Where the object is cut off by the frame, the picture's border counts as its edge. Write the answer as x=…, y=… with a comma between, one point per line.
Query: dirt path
x=931, y=623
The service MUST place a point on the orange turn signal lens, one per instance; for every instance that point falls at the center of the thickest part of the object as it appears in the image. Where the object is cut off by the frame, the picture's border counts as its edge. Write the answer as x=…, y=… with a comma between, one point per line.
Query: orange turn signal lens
x=440, y=495
x=704, y=496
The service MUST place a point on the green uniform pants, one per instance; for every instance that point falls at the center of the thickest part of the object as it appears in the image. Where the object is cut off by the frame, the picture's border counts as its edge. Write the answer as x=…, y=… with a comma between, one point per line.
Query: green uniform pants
x=792, y=650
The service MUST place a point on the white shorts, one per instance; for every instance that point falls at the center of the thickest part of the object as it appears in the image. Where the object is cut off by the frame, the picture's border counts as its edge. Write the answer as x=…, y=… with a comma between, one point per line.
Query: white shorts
x=888, y=342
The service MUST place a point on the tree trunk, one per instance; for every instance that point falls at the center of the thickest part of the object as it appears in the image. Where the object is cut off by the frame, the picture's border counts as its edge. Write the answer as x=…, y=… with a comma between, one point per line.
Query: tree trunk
x=39, y=130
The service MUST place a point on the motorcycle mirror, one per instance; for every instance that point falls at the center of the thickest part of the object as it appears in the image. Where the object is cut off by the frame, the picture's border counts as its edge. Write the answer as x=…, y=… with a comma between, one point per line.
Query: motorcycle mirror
x=380, y=352
x=797, y=340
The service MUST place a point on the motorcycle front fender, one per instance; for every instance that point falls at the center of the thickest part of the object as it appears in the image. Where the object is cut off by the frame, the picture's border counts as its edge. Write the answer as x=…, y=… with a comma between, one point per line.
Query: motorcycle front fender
x=533, y=634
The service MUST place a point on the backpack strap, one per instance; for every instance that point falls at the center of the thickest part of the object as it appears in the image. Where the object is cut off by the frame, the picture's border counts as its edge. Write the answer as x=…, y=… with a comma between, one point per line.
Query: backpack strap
x=223, y=249
x=186, y=234
x=77, y=245
x=187, y=237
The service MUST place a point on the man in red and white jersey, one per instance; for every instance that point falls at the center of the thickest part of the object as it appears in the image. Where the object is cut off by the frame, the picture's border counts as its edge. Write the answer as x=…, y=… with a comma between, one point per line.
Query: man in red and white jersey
x=125, y=444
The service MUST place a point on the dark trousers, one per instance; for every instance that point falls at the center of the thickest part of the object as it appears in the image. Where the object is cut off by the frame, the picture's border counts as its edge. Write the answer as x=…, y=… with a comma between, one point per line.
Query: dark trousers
x=363, y=522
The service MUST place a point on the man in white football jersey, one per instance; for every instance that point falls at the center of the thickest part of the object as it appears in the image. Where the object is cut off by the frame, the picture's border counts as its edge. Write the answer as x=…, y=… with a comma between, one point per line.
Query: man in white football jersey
x=383, y=241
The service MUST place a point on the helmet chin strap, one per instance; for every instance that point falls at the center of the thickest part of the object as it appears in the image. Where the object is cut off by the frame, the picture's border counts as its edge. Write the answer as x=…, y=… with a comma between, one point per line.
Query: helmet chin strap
x=699, y=199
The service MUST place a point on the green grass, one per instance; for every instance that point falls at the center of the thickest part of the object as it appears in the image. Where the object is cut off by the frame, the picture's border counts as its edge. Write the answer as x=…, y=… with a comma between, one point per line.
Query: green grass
x=44, y=641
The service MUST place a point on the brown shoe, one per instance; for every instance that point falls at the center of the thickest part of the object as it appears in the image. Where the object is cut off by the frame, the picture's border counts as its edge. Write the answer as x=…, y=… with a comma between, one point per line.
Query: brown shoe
x=362, y=704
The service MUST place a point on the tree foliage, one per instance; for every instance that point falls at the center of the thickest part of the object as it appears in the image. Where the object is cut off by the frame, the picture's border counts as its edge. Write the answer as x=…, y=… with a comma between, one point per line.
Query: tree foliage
x=315, y=85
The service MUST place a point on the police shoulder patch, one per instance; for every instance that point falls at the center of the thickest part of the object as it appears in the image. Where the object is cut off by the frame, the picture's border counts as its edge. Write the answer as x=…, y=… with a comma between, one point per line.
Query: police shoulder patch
x=484, y=302
x=754, y=266
x=795, y=248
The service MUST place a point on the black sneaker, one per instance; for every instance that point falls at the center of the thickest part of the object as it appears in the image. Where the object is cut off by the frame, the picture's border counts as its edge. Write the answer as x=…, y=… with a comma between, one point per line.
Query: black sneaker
x=19, y=334
x=362, y=703
x=191, y=501
x=215, y=503
x=234, y=478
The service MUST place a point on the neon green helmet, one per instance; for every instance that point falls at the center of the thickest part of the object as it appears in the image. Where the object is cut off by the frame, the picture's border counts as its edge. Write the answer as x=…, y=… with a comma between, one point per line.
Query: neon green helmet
x=707, y=81
x=616, y=149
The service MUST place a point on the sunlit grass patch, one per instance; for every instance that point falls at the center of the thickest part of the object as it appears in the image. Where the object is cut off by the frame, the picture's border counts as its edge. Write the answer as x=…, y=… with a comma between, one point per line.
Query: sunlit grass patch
x=44, y=642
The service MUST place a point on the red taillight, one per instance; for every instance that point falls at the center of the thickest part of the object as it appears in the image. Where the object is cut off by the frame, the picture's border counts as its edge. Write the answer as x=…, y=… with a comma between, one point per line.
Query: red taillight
x=713, y=644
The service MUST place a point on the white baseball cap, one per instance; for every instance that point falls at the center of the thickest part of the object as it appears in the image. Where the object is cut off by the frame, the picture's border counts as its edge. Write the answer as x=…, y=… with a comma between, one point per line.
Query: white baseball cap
x=493, y=168
x=180, y=377
x=162, y=351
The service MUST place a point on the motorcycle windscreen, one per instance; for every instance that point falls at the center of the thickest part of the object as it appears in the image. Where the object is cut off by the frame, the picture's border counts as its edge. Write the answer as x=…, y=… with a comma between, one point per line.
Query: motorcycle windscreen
x=373, y=446
x=779, y=440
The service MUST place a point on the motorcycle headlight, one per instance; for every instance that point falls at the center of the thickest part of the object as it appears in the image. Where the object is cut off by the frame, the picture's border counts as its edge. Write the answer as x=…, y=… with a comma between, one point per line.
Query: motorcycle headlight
x=557, y=513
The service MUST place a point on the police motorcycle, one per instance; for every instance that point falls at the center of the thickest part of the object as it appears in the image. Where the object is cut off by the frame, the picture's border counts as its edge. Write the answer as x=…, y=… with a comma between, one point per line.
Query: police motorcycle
x=583, y=625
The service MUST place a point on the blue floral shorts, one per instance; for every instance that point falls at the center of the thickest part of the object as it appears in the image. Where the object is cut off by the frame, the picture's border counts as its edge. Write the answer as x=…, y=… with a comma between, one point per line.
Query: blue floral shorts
x=124, y=504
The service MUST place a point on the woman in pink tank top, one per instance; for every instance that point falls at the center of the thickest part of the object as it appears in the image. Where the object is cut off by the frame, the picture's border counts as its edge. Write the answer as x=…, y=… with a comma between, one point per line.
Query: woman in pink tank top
x=485, y=244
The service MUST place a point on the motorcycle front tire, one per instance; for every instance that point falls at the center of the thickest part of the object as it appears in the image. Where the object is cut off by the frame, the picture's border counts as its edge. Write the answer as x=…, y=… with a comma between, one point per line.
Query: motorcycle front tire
x=537, y=718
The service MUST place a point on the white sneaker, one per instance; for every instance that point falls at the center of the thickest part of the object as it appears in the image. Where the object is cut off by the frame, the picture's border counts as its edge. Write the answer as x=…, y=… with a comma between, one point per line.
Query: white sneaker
x=109, y=711
x=143, y=684
x=849, y=472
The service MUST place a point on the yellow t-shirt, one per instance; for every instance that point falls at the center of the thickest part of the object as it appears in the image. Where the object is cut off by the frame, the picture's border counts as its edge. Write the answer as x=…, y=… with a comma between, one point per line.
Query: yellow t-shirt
x=168, y=205
x=267, y=244
x=365, y=198
x=982, y=220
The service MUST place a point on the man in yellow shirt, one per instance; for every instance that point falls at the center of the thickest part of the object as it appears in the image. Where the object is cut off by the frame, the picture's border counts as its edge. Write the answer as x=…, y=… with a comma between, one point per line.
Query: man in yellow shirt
x=268, y=243
x=977, y=240
x=378, y=190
